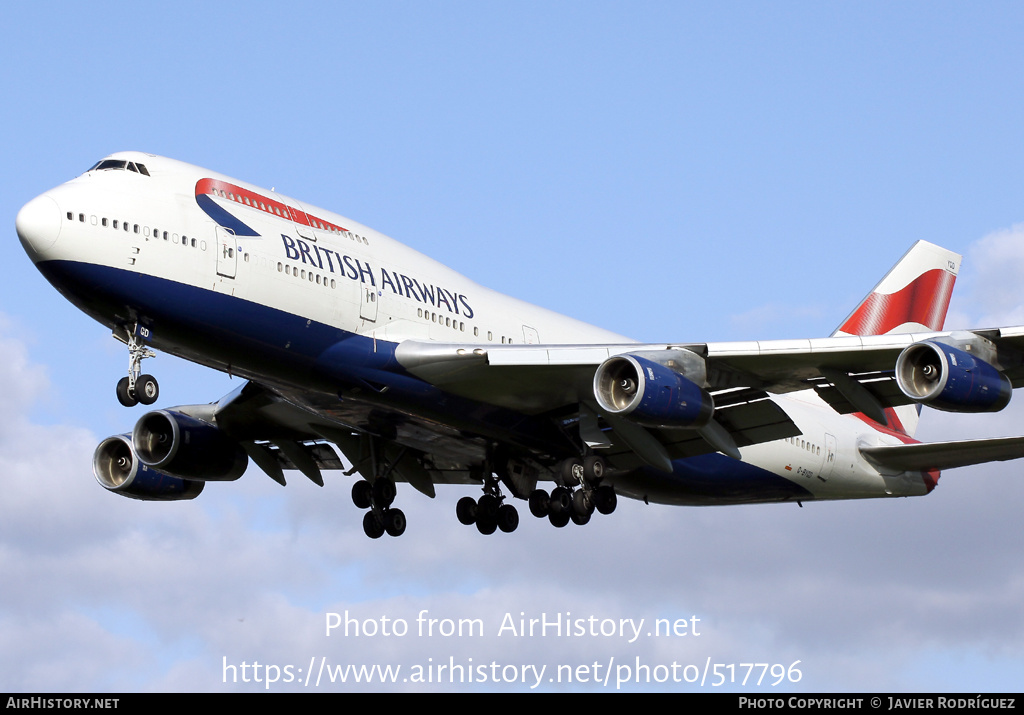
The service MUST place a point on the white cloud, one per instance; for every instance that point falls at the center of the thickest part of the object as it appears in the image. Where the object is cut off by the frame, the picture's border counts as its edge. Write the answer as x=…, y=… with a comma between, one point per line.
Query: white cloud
x=990, y=284
x=104, y=593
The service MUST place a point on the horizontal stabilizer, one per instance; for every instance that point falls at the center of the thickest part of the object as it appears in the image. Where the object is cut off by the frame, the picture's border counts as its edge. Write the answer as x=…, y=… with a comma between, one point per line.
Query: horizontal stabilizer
x=945, y=455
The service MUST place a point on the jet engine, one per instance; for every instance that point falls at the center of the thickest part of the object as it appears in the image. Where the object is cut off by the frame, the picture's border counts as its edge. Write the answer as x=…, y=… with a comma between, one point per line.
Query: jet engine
x=116, y=468
x=656, y=392
x=186, y=447
x=947, y=378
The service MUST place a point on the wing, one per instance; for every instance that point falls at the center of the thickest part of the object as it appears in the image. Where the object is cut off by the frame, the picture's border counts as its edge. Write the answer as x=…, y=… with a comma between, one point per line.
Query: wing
x=280, y=431
x=851, y=373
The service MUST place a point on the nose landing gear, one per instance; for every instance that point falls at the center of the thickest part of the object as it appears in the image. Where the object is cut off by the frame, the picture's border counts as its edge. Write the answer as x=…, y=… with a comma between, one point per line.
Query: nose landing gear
x=136, y=387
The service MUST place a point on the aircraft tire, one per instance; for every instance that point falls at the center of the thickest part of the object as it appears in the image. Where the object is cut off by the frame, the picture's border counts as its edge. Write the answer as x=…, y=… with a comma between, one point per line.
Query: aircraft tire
x=362, y=494
x=572, y=470
x=124, y=396
x=581, y=503
x=559, y=519
x=561, y=500
x=485, y=525
x=147, y=389
x=508, y=518
x=594, y=468
x=487, y=508
x=383, y=492
x=394, y=522
x=465, y=510
x=539, y=503
x=373, y=526
x=605, y=499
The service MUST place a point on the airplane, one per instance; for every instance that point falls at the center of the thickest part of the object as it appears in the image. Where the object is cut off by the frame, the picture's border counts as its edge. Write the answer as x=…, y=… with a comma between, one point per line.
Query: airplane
x=353, y=344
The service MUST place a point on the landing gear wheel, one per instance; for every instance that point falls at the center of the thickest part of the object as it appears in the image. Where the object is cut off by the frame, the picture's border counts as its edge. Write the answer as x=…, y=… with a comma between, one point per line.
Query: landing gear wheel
x=373, y=526
x=362, y=494
x=487, y=509
x=394, y=522
x=605, y=499
x=147, y=389
x=539, y=503
x=572, y=471
x=559, y=519
x=124, y=395
x=465, y=510
x=582, y=504
x=594, y=468
x=579, y=519
x=560, y=501
x=383, y=492
x=486, y=525
x=508, y=518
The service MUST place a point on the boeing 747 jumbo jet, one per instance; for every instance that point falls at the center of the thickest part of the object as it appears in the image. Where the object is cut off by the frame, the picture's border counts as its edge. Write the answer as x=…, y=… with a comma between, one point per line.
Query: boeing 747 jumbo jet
x=420, y=376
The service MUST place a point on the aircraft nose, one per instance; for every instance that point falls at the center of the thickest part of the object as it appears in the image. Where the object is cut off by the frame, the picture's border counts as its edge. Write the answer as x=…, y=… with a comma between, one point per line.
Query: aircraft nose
x=38, y=225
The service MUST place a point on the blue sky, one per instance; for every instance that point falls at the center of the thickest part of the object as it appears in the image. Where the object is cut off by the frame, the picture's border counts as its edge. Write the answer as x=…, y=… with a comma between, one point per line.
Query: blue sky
x=670, y=171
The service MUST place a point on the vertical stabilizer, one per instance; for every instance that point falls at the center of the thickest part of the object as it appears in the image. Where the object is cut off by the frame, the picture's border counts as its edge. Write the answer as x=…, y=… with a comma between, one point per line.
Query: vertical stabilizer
x=913, y=297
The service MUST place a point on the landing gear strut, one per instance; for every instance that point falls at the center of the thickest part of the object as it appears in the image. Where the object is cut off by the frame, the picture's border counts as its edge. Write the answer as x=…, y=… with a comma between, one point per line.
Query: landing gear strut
x=377, y=496
x=579, y=494
x=489, y=512
x=137, y=387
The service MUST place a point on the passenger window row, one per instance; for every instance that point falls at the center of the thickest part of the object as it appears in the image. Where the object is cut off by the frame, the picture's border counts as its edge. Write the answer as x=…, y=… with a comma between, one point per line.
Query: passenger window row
x=805, y=445
x=442, y=320
x=142, y=230
x=303, y=274
x=246, y=198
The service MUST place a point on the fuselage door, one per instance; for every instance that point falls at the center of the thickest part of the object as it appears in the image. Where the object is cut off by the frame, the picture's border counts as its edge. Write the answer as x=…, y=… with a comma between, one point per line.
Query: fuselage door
x=530, y=335
x=227, y=253
x=368, y=303
x=830, y=457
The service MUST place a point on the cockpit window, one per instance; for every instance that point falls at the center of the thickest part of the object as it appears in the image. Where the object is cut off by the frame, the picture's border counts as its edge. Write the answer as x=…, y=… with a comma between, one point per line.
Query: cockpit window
x=120, y=164
x=109, y=164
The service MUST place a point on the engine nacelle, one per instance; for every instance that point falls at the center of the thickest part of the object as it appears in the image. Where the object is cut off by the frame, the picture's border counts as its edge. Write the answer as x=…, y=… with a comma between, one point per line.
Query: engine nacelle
x=650, y=393
x=117, y=468
x=186, y=447
x=950, y=379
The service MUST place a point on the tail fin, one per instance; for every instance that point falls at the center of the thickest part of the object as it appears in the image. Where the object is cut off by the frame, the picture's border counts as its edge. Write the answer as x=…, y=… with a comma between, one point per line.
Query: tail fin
x=913, y=297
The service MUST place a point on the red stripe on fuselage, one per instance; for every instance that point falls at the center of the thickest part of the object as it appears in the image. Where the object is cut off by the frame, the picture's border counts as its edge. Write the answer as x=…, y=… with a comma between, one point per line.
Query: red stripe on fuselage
x=896, y=429
x=252, y=199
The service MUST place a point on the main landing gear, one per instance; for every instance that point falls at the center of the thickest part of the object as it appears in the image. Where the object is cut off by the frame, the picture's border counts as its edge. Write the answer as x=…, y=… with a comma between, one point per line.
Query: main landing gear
x=489, y=512
x=376, y=462
x=579, y=495
x=378, y=497
x=136, y=387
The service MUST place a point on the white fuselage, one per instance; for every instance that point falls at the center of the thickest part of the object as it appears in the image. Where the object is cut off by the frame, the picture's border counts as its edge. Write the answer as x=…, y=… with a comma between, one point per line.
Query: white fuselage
x=308, y=263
